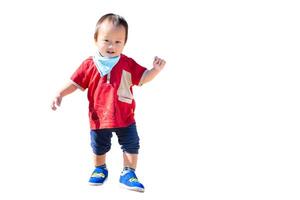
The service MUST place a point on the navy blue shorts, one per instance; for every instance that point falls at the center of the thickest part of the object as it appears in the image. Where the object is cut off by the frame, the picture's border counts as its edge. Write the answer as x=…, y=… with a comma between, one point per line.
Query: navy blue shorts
x=127, y=137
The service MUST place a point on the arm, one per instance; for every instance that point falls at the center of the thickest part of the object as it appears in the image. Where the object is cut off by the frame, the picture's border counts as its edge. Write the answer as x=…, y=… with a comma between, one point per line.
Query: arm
x=68, y=89
x=158, y=65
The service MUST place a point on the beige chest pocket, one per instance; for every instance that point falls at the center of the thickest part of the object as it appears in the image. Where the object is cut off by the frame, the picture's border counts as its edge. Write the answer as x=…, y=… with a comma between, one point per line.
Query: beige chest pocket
x=124, y=93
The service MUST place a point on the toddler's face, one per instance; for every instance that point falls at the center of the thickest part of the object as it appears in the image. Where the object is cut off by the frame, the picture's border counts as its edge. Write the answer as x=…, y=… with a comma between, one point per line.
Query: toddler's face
x=111, y=39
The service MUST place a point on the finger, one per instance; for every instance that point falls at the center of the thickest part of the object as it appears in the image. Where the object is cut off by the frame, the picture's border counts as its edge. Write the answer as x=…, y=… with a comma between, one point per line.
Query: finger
x=53, y=106
x=154, y=61
x=58, y=101
x=161, y=62
x=157, y=59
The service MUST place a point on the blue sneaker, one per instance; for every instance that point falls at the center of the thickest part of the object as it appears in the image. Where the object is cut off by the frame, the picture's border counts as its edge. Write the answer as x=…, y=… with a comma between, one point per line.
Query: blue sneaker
x=98, y=176
x=129, y=181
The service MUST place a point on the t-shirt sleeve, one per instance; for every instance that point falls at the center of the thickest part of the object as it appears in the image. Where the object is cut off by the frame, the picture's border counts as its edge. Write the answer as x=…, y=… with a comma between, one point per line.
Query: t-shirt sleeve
x=80, y=77
x=137, y=72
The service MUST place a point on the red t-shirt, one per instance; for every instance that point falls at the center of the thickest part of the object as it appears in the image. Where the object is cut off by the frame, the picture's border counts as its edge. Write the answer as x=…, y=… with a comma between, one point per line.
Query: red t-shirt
x=111, y=103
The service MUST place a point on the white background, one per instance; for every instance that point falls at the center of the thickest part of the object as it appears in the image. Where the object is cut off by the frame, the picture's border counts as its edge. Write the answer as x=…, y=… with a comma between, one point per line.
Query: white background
x=220, y=122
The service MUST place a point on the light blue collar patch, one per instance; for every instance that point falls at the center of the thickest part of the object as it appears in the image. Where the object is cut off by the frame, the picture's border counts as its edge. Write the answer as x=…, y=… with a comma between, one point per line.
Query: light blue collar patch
x=105, y=64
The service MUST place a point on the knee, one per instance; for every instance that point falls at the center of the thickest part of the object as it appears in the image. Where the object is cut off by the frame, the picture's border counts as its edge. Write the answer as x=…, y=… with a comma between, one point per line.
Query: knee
x=100, y=142
x=100, y=149
x=132, y=145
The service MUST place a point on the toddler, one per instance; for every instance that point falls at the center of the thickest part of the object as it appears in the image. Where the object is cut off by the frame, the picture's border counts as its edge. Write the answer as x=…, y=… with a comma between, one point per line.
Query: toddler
x=109, y=77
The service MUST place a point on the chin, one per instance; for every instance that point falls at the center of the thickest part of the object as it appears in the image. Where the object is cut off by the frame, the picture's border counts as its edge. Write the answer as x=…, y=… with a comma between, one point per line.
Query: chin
x=112, y=55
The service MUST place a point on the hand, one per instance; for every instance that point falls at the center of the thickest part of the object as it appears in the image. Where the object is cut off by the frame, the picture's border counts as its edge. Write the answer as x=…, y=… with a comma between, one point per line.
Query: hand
x=56, y=102
x=158, y=63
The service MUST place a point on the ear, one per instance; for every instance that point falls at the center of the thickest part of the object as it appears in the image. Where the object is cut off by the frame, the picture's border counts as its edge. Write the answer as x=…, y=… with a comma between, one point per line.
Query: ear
x=95, y=42
x=96, y=37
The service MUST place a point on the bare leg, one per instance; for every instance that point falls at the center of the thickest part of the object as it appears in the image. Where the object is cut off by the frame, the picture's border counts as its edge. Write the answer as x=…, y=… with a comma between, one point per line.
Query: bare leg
x=99, y=159
x=130, y=160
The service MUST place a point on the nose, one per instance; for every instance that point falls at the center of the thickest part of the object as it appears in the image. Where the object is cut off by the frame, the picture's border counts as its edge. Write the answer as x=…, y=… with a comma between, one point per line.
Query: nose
x=110, y=45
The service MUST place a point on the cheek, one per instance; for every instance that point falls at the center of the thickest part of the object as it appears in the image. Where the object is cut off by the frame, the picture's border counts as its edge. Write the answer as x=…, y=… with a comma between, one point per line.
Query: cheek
x=100, y=46
x=121, y=48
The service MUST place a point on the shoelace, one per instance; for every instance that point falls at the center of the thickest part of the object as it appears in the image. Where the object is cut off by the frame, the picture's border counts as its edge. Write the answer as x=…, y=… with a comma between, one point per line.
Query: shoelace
x=133, y=180
x=98, y=175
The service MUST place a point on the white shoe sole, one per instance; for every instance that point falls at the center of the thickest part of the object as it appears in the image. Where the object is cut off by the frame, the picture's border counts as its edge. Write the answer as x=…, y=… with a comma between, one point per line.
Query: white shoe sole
x=97, y=184
x=136, y=189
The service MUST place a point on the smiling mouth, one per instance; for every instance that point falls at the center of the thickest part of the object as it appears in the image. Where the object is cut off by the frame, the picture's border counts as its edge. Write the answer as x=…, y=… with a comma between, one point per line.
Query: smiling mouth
x=110, y=52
